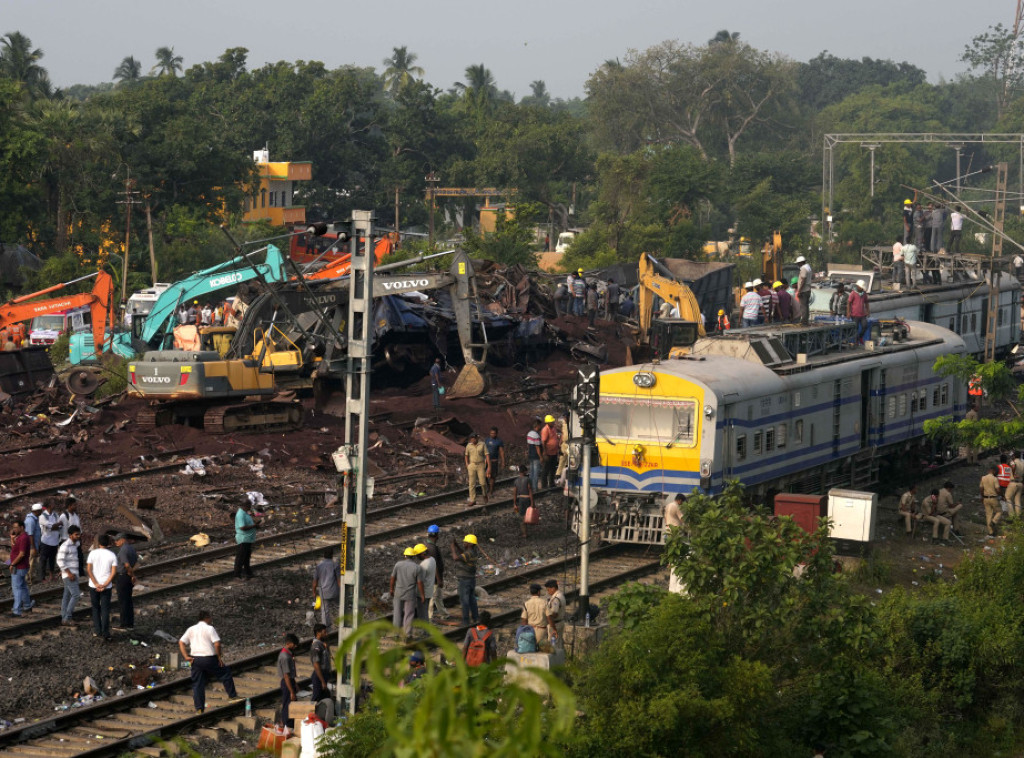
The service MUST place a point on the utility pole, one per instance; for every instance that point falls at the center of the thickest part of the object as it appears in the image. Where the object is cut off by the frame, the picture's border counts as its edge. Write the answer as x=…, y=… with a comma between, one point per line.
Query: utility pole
x=588, y=387
x=351, y=459
x=128, y=202
x=431, y=179
x=872, y=149
x=149, y=230
x=998, y=216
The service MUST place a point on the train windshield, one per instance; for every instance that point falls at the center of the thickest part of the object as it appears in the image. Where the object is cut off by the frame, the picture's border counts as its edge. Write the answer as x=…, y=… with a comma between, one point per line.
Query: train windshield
x=659, y=421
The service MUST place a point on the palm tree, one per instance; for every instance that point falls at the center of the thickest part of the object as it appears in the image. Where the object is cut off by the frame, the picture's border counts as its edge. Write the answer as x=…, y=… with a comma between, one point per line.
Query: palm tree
x=18, y=61
x=479, y=88
x=539, y=94
x=724, y=36
x=130, y=70
x=400, y=69
x=167, y=62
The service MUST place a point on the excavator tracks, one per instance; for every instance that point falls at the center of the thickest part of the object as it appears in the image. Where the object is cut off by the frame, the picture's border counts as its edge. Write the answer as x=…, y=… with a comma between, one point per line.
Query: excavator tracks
x=249, y=417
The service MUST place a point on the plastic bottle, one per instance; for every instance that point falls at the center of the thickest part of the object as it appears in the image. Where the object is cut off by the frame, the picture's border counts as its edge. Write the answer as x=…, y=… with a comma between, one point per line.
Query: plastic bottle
x=586, y=623
x=248, y=708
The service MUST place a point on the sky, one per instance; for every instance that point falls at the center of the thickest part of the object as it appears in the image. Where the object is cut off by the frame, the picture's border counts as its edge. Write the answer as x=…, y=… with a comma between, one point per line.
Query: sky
x=558, y=41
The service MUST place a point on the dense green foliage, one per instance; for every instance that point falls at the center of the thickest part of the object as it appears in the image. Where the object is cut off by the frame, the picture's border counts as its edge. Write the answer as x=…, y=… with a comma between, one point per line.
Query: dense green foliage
x=672, y=146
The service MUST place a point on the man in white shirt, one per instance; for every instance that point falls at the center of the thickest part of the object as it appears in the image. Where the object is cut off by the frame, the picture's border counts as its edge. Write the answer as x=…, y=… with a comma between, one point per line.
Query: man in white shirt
x=204, y=645
x=428, y=573
x=49, y=539
x=956, y=225
x=803, y=289
x=897, y=263
x=750, y=305
x=70, y=570
x=100, y=566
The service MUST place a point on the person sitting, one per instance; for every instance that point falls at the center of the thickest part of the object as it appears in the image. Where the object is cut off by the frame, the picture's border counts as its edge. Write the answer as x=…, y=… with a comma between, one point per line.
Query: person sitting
x=908, y=508
x=930, y=513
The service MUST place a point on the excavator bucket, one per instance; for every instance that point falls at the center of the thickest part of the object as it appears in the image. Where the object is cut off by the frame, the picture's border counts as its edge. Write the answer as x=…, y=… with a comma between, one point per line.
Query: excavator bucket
x=470, y=382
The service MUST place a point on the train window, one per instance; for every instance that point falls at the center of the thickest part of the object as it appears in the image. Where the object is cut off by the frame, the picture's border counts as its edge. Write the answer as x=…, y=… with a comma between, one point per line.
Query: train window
x=798, y=432
x=741, y=447
x=999, y=317
x=891, y=410
x=758, y=443
x=922, y=402
x=664, y=421
x=814, y=392
x=952, y=321
x=766, y=406
x=945, y=394
x=902, y=404
x=935, y=397
x=796, y=399
x=974, y=322
x=769, y=439
x=780, y=436
x=812, y=435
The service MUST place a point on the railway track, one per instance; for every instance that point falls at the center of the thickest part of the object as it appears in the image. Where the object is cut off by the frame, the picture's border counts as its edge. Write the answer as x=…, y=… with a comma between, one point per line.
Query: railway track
x=116, y=725
x=184, y=574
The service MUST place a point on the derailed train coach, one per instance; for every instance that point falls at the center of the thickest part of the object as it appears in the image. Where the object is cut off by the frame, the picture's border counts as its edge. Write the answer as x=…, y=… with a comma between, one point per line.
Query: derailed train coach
x=783, y=408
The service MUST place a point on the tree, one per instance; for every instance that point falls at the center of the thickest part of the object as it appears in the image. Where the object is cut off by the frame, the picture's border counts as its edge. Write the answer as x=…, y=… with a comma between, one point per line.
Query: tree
x=19, y=62
x=539, y=94
x=999, y=54
x=167, y=63
x=724, y=37
x=400, y=70
x=510, y=243
x=826, y=79
x=128, y=70
x=479, y=89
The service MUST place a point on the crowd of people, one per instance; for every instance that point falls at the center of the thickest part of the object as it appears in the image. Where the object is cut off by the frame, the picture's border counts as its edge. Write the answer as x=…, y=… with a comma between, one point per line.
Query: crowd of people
x=222, y=313
x=578, y=296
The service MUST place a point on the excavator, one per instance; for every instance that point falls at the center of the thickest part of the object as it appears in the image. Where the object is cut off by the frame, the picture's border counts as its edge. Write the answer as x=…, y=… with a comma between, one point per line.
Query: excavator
x=99, y=302
x=664, y=337
x=240, y=392
x=340, y=266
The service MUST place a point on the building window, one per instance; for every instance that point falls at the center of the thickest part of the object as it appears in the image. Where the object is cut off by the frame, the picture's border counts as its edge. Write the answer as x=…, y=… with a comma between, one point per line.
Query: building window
x=758, y=443
x=263, y=198
x=780, y=436
x=741, y=447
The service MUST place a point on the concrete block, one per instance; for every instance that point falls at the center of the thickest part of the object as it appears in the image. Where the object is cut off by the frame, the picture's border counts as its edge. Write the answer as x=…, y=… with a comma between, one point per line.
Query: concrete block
x=153, y=752
x=210, y=734
x=247, y=722
x=291, y=748
x=266, y=713
x=581, y=640
x=231, y=727
x=517, y=670
x=171, y=747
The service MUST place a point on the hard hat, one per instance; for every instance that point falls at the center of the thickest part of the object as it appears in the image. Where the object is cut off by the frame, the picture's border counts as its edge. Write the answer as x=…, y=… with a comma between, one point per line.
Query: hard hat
x=579, y=271
x=794, y=280
x=317, y=603
x=195, y=302
x=470, y=538
x=756, y=283
x=433, y=529
x=861, y=284
x=747, y=285
x=801, y=259
x=907, y=202
x=777, y=284
x=417, y=657
x=549, y=419
x=408, y=552
x=420, y=549
x=721, y=312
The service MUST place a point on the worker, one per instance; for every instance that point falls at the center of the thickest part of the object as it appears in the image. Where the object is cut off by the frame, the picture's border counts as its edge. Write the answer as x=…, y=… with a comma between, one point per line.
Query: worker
x=766, y=301
x=970, y=451
x=930, y=513
x=477, y=465
x=561, y=298
x=782, y=303
x=803, y=289
x=908, y=220
x=550, y=446
x=723, y=321
x=910, y=251
x=956, y=230
x=837, y=304
x=794, y=300
x=535, y=613
x=990, y=492
x=626, y=306
x=859, y=309
x=406, y=590
x=579, y=293
x=1017, y=464
x=611, y=302
x=665, y=311
x=1004, y=472
x=193, y=313
x=495, y=457
x=591, y=303
x=897, y=264
x=465, y=571
x=750, y=305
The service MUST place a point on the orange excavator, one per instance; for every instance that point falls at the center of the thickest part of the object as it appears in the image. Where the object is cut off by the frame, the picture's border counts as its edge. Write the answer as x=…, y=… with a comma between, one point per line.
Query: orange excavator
x=100, y=303
x=341, y=265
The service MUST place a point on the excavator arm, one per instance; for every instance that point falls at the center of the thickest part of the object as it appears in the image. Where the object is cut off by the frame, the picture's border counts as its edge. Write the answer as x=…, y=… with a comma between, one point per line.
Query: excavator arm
x=340, y=266
x=652, y=283
x=99, y=302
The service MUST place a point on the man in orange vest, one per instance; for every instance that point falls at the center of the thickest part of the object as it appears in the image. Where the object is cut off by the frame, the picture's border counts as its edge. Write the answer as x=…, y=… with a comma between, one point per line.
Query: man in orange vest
x=1005, y=473
x=974, y=386
x=723, y=321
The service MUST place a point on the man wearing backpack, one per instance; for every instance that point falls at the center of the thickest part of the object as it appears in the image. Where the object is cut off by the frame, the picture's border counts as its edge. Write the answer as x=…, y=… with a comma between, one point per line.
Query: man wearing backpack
x=479, y=647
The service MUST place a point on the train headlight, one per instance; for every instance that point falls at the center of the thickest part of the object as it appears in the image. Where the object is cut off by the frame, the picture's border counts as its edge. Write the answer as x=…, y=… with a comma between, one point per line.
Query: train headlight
x=644, y=379
x=709, y=411
x=705, y=468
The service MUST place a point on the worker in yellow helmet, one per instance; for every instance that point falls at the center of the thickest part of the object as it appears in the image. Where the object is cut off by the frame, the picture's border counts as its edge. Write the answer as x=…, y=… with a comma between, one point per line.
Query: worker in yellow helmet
x=723, y=321
x=908, y=220
x=406, y=590
x=466, y=561
x=550, y=448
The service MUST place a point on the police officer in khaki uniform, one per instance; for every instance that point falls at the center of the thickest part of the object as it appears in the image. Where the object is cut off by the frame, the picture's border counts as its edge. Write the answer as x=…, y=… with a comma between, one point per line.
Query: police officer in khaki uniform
x=477, y=464
x=949, y=507
x=990, y=492
x=555, y=610
x=908, y=508
x=1016, y=488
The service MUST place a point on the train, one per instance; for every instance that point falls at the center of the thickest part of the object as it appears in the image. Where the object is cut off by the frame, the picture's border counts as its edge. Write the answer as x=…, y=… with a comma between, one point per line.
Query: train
x=799, y=409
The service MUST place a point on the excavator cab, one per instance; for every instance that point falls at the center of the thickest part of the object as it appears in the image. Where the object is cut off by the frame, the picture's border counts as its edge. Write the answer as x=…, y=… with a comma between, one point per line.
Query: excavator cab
x=672, y=337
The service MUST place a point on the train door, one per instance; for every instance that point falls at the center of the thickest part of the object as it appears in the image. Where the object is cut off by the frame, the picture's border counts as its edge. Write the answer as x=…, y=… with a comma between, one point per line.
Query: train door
x=870, y=404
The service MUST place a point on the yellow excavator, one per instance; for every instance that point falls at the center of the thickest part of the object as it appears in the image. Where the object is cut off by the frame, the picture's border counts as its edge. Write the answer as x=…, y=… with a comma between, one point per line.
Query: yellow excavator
x=670, y=337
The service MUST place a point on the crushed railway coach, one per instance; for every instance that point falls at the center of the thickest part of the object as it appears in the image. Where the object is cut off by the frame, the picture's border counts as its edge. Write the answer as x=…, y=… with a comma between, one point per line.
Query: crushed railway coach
x=777, y=408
